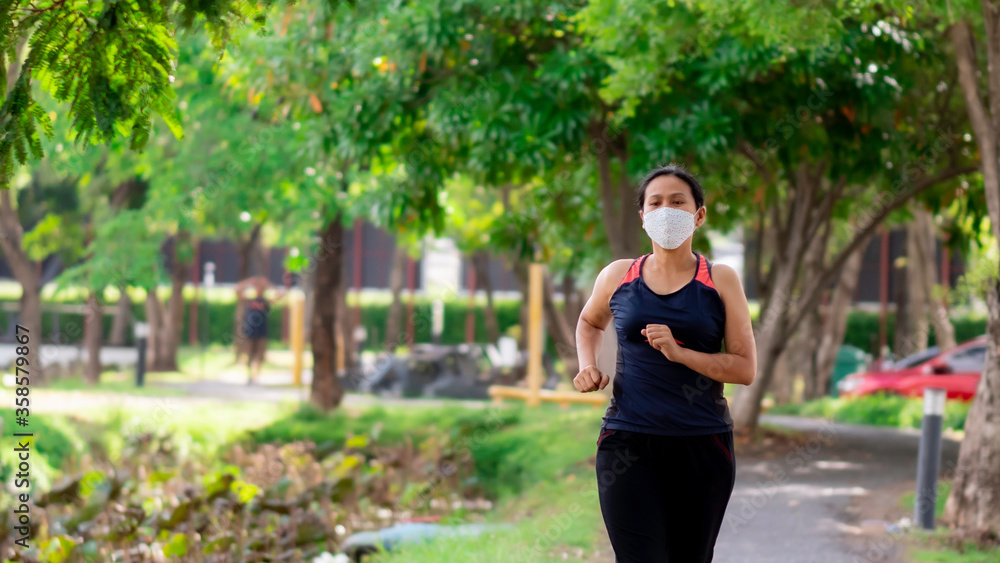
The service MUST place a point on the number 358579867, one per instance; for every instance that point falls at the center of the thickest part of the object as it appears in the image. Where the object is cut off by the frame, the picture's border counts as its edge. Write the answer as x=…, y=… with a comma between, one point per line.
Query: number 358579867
x=21, y=372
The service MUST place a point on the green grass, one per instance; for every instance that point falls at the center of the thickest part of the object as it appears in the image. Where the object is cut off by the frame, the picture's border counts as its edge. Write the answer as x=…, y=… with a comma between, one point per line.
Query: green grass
x=876, y=410
x=56, y=441
x=61, y=441
x=552, y=518
x=117, y=382
x=944, y=489
x=512, y=446
x=939, y=547
x=194, y=363
x=969, y=555
x=197, y=428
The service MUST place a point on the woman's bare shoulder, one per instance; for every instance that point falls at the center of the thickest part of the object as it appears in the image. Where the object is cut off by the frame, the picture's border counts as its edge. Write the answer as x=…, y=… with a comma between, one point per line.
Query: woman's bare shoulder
x=613, y=273
x=726, y=279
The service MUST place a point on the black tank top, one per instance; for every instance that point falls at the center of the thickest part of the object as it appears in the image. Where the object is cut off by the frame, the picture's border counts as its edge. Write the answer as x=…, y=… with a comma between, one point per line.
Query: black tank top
x=255, y=318
x=651, y=393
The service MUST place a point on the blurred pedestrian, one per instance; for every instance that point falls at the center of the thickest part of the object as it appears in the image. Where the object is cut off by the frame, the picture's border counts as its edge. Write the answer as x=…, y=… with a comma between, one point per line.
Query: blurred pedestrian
x=255, y=322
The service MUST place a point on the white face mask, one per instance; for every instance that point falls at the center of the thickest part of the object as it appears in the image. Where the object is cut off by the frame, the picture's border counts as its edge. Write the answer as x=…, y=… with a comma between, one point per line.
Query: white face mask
x=668, y=227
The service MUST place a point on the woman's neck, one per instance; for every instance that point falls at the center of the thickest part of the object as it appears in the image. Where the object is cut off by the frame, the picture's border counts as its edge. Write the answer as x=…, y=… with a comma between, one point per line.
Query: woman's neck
x=678, y=259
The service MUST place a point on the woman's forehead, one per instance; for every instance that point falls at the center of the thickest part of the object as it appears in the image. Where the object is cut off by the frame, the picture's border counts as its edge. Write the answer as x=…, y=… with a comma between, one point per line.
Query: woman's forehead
x=667, y=186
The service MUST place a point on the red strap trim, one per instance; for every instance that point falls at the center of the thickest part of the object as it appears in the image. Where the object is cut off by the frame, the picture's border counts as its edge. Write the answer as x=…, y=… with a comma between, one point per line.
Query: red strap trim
x=723, y=446
x=703, y=275
x=675, y=340
x=603, y=434
x=633, y=271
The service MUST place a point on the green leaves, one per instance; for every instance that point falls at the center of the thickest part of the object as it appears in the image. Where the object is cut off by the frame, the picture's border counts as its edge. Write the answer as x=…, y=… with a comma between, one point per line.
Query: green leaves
x=20, y=118
x=177, y=546
x=108, y=63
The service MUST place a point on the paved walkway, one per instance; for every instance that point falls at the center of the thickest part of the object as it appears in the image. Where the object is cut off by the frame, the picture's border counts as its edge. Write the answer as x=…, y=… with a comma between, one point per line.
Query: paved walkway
x=65, y=354
x=204, y=392
x=792, y=507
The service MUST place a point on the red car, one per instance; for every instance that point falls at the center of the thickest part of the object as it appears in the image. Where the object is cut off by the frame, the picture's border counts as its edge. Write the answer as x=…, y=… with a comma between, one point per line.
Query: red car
x=956, y=371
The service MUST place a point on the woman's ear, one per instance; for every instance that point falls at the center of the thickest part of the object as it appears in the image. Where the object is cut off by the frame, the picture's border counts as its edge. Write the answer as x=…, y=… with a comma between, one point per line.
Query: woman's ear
x=640, y=216
x=699, y=217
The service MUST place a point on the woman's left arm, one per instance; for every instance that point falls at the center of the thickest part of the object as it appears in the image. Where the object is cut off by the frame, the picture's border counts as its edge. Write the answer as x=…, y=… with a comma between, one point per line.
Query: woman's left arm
x=739, y=362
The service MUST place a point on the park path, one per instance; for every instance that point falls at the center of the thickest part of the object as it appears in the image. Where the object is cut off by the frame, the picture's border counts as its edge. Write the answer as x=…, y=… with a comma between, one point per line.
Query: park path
x=793, y=505
x=205, y=392
x=790, y=504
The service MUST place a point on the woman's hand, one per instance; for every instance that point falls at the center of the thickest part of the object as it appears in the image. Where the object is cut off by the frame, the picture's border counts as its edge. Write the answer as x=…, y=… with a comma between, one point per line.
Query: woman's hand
x=590, y=379
x=662, y=339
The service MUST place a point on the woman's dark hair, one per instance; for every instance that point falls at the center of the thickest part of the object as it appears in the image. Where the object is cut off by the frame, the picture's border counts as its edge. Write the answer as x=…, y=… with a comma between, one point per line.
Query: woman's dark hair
x=671, y=170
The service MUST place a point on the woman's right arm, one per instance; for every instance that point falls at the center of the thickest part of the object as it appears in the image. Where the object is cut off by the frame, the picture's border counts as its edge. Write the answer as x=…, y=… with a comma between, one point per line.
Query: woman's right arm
x=594, y=318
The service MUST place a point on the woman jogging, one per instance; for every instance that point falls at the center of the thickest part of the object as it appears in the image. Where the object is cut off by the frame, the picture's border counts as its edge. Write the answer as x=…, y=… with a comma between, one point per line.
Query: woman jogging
x=254, y=327
x=665, y=466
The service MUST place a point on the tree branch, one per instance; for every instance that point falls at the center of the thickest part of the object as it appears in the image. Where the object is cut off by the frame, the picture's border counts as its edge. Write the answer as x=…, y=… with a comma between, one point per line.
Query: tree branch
x=812, y=294
x=982, y=126
x=750, y=152
x=965, y=58
x=822, y=213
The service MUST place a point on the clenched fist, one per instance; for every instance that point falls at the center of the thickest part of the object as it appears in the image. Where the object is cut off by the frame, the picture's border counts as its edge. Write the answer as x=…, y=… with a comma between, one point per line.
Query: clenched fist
x=590, y=379
x=661, y=338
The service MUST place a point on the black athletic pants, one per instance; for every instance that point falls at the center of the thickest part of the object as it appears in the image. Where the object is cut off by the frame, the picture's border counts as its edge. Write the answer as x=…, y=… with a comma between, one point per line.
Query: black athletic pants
x=664, y=497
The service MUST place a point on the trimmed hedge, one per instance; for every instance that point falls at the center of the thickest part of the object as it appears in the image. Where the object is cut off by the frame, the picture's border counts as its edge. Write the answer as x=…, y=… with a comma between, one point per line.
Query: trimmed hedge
x=875, y=410
x=862, y=330
x=216, y=320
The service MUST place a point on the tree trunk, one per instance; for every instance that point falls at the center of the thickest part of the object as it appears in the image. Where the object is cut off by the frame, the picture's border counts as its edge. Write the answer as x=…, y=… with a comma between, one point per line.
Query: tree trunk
x=93, y=327
x=31, y=319
x=165, y=321
x=621, y=218
x=912, y=327
x=975, y=492
x=560, y=331
x=480, y=261
x=308, y=278
x=520, y=269
x=793, y=234
x=773, y=330
x=346, y=324
x=123, y=314
x=154, y=318
x=747, y=403
x=903, y=324
x=394, y=323
x=572, y=305
x=811, y=329
x=782, y=385
x=835, y=323
x=926, y=246
x=123, y=311
x=247, y=250
x=26, y=272
x=174, y=317
x=326, y=391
